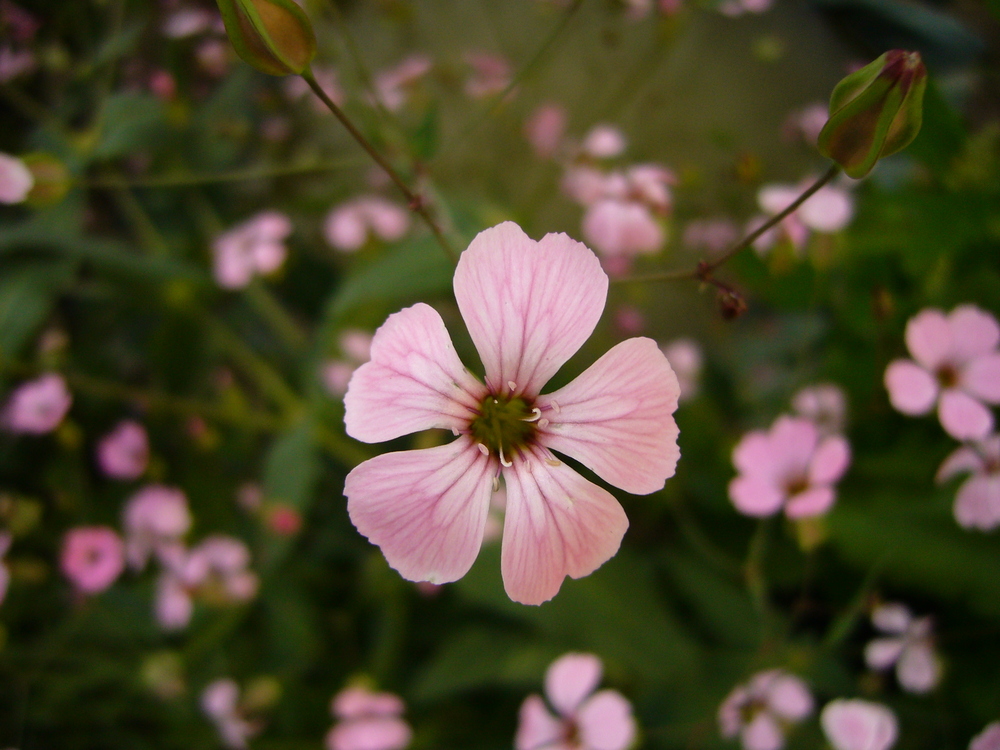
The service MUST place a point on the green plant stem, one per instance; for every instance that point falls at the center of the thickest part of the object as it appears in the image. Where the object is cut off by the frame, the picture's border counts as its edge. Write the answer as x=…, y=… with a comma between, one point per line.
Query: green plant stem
x=415, y=201
x=281, y=322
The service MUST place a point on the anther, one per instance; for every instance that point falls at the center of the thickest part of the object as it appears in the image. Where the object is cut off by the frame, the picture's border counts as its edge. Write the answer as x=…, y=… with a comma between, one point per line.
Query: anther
x=496, y=484
x=483, y=449
x=543, y=423
x=553, y=461
x=555, y=406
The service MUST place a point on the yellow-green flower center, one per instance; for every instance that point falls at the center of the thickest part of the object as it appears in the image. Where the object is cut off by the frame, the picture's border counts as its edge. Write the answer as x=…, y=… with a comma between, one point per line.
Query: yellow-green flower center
x=504, y=426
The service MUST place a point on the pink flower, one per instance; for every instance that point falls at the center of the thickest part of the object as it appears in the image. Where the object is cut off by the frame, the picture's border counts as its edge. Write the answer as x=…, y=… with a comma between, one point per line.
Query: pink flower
x=14, y=63
x=38, y=406
x=220, y=564
x=254, y=247
x=622, y=229
x=908, y=647
x=739, y=7
x=583, y=720
x=155, y=518
x=186, y=22
x=761, y=711
x=788, y=467
x=5, y=541
x=858, y=725
x=604, y=142
x=490, y=74
x=367, y=721
x=684, y=355
x=545, y=129
x=713, y=235
x=220, y=702
x=349, y=225
x=957, y=369
x=92, y=557
x=124, y=452
x=977, y=504
x=16, y=179
x=824, y=404
x=988, y=739
x=807, y=122
x=828, y=210
x=529, y=306
x=392, y=86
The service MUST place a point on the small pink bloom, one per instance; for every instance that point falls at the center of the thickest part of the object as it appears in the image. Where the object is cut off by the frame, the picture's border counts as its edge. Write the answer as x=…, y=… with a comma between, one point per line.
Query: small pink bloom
x=163, y=85
x=220, y=702
x=825, y=404
x=685, y=357
x=858, y=725
x=92, y=557
x=629, y=319
x=908, y=646
x=38, y=406
x=16, y=179
x=349, y=225
x=545, y=129
x=622, y=229
x=284, y=520
x=187, y=22
x=761, y=711
x=155, y=519
x=584, y=719
x=604, y=142
x=529, y=306
x=788, y=467
x=367, y=721
x=712, y=235
x=392, y=86
x=828, y=210
x=988, y=739
x=807, y=122
x=219, y=564
x=650, y=184
x=957, y=368
x=739, y=7
x=213, y=56
x=490, y=74
x=585, y=184
x=124, y=452
x=173, y=606
x=977, y=504
x=257, y=246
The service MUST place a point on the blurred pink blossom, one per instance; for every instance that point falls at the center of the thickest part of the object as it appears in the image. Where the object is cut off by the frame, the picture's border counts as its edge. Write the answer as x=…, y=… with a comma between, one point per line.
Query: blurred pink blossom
x=92, y=558
x=711, y=235
x=124, y=452
x=367, y=721
x=392, y=86
x=791, y=467
x=356, y=346
x=825, y=405
x=685, y=357
x=16, y=179
x=622, y=229
x=545, y=129
x=977, y=504
x=585, y=184
x=908, y=646
x=257, y=246
x=858, y=725
x=629, y=319
x=806, y=123
x=187, y=21
x=221, y=563
x=220, y=702
x=828, y=210
x=349, y=226
x=957, y=369
x=15, y=62
x=734, y=8
x=173, y=605
x=155, y=519
x=490, y=74
x=988, y=739
x=583, y=719
x=37, y=406
x=16, y=23
x=761, y=711
x=5, y=541
x=604, y=142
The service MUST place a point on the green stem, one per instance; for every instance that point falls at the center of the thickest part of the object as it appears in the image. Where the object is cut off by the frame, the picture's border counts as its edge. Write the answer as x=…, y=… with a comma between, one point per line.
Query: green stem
x=276, y=316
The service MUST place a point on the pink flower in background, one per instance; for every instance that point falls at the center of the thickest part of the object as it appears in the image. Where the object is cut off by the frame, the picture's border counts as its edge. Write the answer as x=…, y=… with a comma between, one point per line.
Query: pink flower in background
x=37, y=406
x=908, y=646
x=711, y=235
x=977, y=504
x=528, y=306
x=393, y=86
x=957, y=369
x=806, y=123
x=622, y=229
x=173, y=606
x=791, y=467
x=367, y=721
x=734, y=8
x=825, y=405
x=356, y=346
x=124, y=452
x=545, y=129
x=92, y=558
x=604, y=142
x=5, y=541
x=220, y=702
x=583, y=719
x=16, y=179
x=858, y=725
x=988, y=739
x=187, y=22
x=348, y=226
x=490, y=74
x=684, y=356
x=220, y=563
x=14, y=63
x=155, y=519
x=761, y=711
x=255, y=247
x=828, y=210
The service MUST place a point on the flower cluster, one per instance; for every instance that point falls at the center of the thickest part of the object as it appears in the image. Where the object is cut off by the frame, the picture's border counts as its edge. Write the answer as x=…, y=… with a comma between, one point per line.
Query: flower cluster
x=255, y=247
x=762, y=711
x=220, y=701
x=826, y=211
x=907, y=644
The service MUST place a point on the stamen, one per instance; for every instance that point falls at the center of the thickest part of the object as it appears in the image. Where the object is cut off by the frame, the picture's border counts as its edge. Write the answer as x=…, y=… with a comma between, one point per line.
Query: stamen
x=555, y=406
x=496, y=484
x=535, y=414
x=512, y=385
x=483, y=449
x=454, y=431
x=553, y=461
x=503, y=461
x=543, y=423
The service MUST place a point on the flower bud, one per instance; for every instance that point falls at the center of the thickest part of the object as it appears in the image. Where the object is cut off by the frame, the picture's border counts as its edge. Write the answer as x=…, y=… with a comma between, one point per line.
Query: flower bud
x=274, y=36
x=875, y=112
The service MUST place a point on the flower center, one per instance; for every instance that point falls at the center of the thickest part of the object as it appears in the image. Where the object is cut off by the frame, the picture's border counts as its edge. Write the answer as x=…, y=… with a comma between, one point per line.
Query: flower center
x=947, y=376
x=505, y=425
x=795, y=485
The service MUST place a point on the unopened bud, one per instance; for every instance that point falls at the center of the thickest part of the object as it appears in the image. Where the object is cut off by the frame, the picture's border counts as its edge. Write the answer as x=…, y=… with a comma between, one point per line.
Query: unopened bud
x=274, y=36
x=875, y=112
x=731, y=303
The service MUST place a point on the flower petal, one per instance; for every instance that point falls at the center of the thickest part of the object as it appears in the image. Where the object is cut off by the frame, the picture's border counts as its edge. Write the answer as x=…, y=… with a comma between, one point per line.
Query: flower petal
x=912, y=390
x=762, y=733
x=813, y=502
x=789, y=698
x=981, y=378
x=536, y=727
x=830, y=460
x=413, y=382
x=977, y=504
x=882, y=653
x=962, y=460
x=557, y=524
x=754, y=496
x=425, y=508
x=570, y=679
x=370, y=733
x=529, y=306
x=962, y=416
x=929, y=338
x=606, y=722
x=974, y=332
x=858, y=725
x=615, y=418
x=918, y=669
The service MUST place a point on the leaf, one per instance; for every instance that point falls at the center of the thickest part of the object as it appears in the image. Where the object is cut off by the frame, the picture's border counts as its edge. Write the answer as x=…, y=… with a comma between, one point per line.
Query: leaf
x=131, y=122
x=26, y=298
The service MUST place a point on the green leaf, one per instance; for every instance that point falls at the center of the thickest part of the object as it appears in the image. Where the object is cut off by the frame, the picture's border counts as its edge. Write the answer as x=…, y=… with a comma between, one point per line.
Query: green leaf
x=26, y=298
x=131, y=121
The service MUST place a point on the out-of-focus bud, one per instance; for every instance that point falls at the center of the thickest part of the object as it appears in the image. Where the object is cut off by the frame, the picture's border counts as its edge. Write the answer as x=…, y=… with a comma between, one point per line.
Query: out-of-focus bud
x=274, y=36
x=875, y=112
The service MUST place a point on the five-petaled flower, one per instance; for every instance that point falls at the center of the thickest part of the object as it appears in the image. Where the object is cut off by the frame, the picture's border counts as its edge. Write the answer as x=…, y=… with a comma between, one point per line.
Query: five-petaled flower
x=529, y=306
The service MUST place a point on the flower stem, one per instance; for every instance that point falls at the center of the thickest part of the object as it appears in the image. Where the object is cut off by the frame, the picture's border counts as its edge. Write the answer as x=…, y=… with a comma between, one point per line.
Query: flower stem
x=415, y=201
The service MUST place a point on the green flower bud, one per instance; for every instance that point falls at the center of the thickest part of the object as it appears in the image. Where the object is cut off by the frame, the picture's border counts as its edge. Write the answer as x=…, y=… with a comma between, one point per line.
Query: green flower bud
x=274, y=36
x=875, y=112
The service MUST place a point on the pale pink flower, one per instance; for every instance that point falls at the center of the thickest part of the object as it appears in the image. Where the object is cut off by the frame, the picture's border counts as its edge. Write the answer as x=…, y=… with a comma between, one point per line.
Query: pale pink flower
x=684, y=356
x=490, y=74
x=16, y=179
x=734, y=8
x=824, y=404
x=38, y=406
x=858, y=725
x=622, y=229
x=349, y=225
x=173, y=605
x=988, y=739
x=220, y=700
x=761, y=711
x=957, y=369
x=155, y=519
x=604, y=142
x=583, y=719
x=392, y=86
x=629, y=319
x=124, y=452
x=806, y=123
x=545, y=129
x=529, y=306
x=5, y=541
x=908, y=646
x=92, y=558
x=586, y=184
x=187, y=22
x=651, y=185
x=828, y=210
x=977, y=504
x=218, y=564
x=712, y=235
x=790, y=466
x=257, y=246
x=367, y=721
x=213, y=56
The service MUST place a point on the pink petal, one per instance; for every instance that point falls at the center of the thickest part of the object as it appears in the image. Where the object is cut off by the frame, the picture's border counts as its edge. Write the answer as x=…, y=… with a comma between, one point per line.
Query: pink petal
x=882, y=653
x=789, y=698
x=622, y=228
x=370, y=733
x=793, y=441
x=918, y=669
x=974, y=332
x=570, y=679
x=774, y=198
x=960, y=461
x=988, y=739
x=892, y=618
x=754, y=496
x=529, y=306
x=962, y=416
x=763, y=733
x=812, y=502
x=413, y=382
x=16, y=180
x=977, y=504
x=753, y=455
x=615, y=418
x=830, y=460
x=981, y=378
x=557, y=524
x=219, y=698
x=929, y=338
x=858, y=725
x=606, y=722
x=912, y=390
x=425, y=508
x=536, y=728
x=830, y=209
x=353, y=702
x=345, y=228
